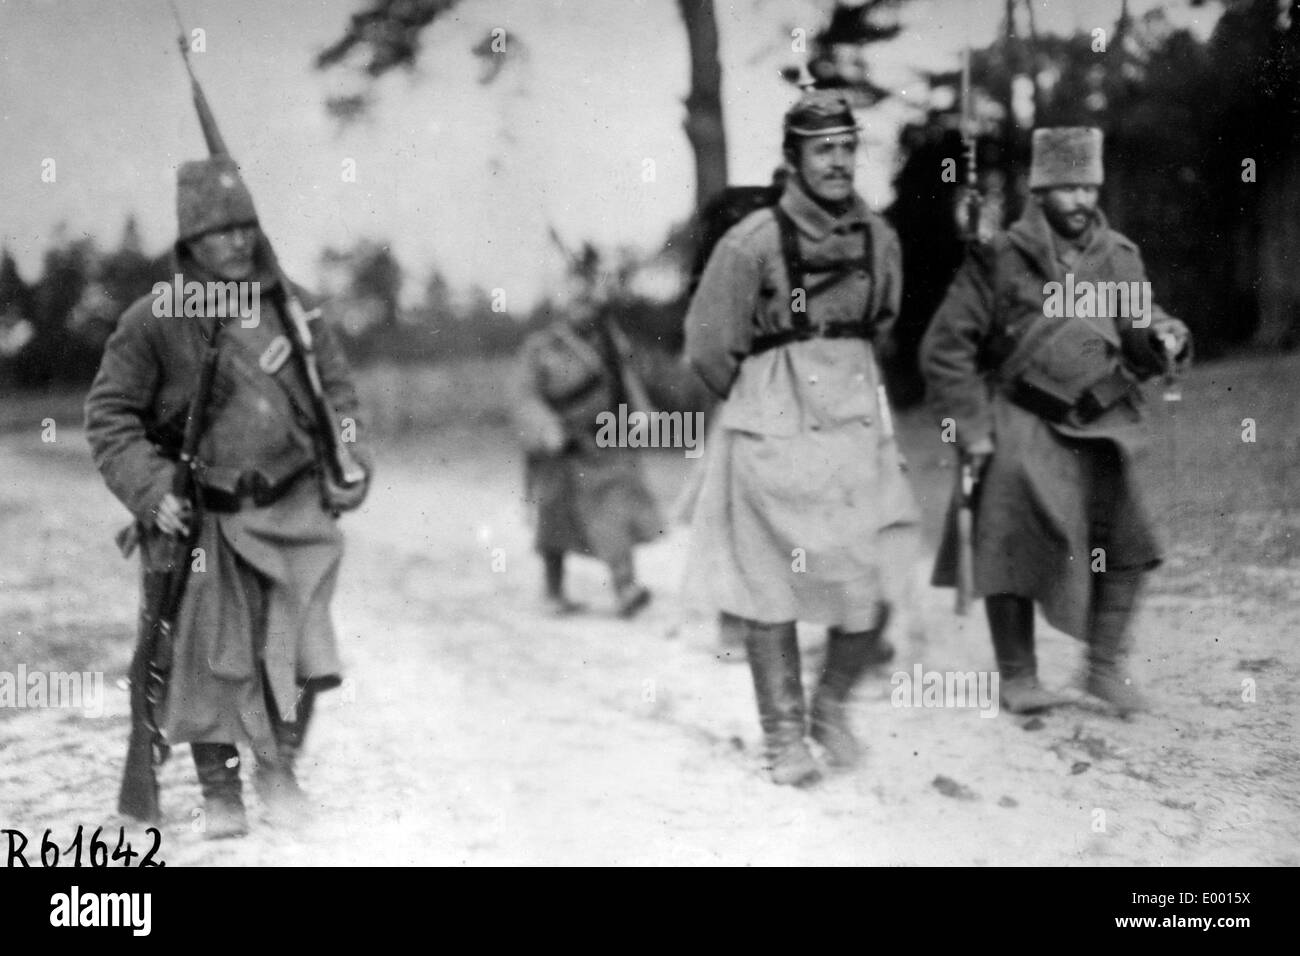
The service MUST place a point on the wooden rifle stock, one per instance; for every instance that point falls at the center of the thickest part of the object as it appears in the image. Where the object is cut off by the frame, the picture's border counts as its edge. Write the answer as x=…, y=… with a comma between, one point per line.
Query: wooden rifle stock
x=161, y=602
x=343, y=466
x=965, y=529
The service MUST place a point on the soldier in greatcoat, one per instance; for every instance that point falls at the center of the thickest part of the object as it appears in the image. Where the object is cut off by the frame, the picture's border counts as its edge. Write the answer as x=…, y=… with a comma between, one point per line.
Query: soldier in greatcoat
x=253, y=643
x=587, y=499
x=803, y=505
x=1038, y=365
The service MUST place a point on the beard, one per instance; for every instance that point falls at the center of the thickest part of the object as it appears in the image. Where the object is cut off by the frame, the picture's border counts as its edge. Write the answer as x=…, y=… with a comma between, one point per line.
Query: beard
x=1073, y=224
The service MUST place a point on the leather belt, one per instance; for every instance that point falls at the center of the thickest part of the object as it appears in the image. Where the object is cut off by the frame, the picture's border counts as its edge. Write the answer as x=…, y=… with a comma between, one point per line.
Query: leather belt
x=831, y=330
x=1096, y=400
x=252, y=491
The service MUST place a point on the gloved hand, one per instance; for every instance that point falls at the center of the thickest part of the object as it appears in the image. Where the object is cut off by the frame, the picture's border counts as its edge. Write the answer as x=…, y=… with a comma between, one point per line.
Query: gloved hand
x=1172, y=337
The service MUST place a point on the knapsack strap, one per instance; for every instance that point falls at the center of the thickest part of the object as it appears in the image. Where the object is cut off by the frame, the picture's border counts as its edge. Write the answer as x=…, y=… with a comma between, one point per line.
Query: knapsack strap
x=798, y=270
x=794, y=266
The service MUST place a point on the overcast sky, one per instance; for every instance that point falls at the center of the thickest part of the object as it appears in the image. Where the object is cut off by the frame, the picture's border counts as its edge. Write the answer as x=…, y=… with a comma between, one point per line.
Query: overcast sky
x=453, y=173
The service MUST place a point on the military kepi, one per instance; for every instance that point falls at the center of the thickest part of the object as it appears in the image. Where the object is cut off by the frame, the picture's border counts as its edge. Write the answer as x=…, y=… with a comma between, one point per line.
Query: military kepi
x=211, y=195
x=1066, y=156
x=821, y=113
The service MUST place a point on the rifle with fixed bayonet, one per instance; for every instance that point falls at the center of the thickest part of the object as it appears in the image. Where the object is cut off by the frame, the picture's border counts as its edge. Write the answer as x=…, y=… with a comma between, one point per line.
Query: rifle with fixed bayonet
x=342, y=467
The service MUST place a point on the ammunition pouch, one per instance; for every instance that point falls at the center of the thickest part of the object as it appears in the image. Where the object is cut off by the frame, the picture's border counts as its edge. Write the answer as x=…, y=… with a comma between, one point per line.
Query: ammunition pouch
x=1065, y=370
x=1044, y=397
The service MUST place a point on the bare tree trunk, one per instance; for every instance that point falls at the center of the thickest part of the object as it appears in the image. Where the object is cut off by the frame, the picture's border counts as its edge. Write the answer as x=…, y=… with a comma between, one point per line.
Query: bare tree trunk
x=703, y=124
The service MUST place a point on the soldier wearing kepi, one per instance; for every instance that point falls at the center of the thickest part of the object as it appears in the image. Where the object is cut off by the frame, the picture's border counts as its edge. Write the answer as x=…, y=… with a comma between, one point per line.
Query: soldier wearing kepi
x=588, y=500
x=1048, y=409
x=253, y=642
x=803, y=504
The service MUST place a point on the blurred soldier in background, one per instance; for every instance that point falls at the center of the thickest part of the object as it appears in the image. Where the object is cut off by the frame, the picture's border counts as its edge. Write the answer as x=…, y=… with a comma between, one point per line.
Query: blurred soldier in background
x=253, y=642
x=589, y=500
x=803, y=499
x=1047, y=408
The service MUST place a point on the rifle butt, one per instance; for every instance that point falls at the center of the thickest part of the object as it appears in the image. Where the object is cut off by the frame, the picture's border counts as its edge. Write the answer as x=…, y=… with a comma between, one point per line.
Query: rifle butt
x=347, y=470
x=138, y=796
x=965, y=561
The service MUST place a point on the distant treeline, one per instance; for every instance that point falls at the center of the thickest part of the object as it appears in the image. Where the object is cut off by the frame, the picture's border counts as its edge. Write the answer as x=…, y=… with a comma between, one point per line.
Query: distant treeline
x=1202, y=167
x=1202, y=153
x=53, y=330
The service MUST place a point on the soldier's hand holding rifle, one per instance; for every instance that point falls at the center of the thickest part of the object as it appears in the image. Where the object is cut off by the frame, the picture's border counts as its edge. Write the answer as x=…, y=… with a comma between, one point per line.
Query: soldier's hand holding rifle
x=173, y=515
x=1175, y=343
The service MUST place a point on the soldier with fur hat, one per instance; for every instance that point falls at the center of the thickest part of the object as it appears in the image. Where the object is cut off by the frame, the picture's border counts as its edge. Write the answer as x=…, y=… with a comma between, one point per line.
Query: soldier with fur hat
x=803, y=507
x=1048, y=409
x=253, y=641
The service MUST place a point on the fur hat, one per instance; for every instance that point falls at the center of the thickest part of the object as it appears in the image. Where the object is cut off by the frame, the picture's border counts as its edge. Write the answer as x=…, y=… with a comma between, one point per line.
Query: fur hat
x=1066, y=156
x=211, y=195
x=820, y=113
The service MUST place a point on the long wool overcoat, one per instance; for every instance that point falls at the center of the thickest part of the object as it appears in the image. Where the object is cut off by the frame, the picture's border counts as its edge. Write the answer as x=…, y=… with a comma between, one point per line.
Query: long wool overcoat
x=1034, y=532
x=803, y=505
x=259, y=596
x=588, y=499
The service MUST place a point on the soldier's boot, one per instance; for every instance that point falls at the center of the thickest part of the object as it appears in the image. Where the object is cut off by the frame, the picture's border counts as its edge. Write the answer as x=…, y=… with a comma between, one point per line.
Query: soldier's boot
x=848, y=657
x=275, y=779
x=223, y=803
x=556, y=601
x=1109, y=640
x=1011, y=622
x=773, y=653
x=630, y=596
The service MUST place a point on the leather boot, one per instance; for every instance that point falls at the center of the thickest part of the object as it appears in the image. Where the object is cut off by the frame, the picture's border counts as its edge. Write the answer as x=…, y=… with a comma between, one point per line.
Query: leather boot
x=275, y=780
x=773, y=654
x=1113, y=598
x=556, y=601
x=848, y=657
x=223, y=805
x=1011, y=622
x=630, y=596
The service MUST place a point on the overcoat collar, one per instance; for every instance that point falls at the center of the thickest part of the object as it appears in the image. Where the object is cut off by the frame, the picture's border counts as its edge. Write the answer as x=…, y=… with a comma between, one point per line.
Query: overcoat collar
x=814, y=221
x=1033, y=235
x=185, y=265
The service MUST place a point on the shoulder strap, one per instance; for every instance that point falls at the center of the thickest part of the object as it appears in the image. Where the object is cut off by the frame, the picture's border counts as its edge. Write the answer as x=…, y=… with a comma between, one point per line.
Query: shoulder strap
x=868, y=258
x=794, y=266
x=797, y=269
x=1017, y=352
